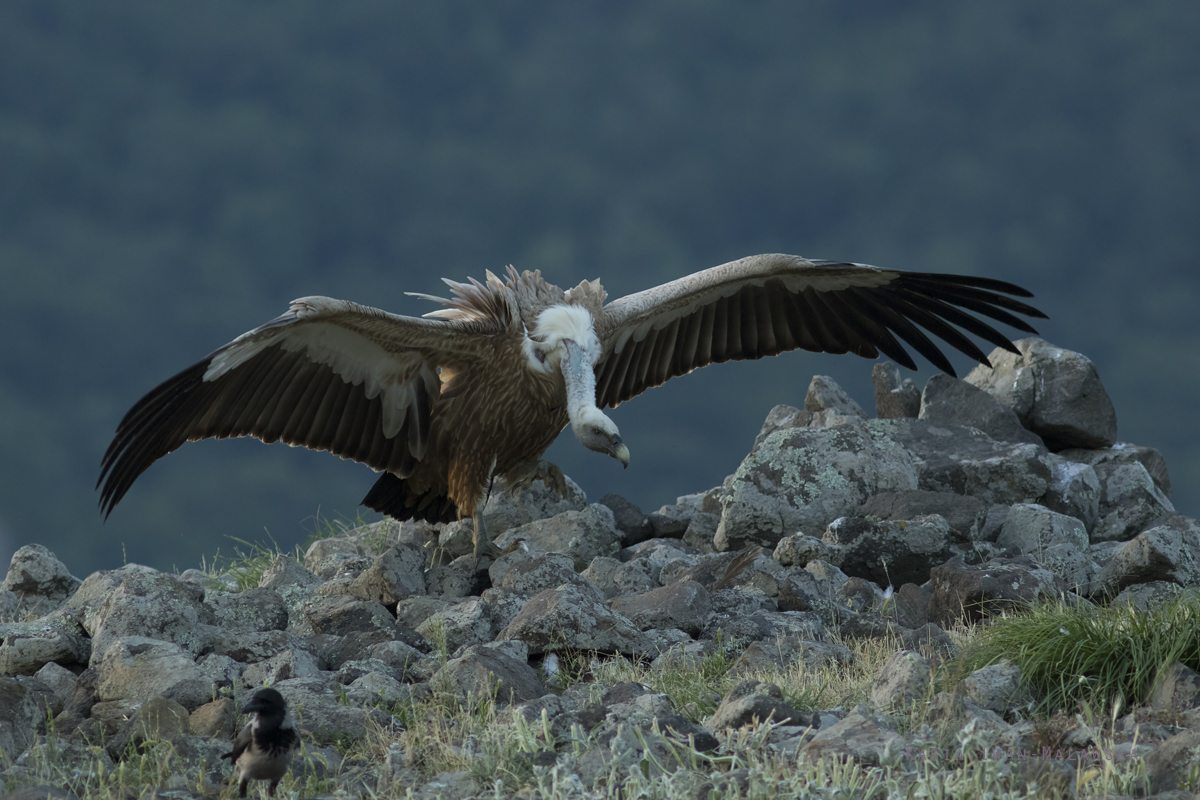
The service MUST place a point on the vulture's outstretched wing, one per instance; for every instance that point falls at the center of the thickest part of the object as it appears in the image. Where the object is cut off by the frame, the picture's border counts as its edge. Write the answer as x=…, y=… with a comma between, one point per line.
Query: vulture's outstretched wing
x=327, y=375
x=763, y=305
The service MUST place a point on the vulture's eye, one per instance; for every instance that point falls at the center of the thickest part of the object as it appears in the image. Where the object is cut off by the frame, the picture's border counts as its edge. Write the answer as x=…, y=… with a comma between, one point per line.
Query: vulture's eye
x=597, y=431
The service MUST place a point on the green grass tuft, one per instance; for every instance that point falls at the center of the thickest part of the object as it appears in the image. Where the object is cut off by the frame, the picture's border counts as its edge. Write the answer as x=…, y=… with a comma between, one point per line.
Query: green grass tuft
x=1072, y=655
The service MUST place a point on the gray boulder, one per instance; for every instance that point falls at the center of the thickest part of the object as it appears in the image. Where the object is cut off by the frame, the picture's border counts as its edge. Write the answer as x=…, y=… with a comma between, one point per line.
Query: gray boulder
x=979, y=590
x=1125, y=453
x=1129, y=501
x=802, y=479
x=1055, y=393
x=487, y=672
x=396, y=574
x=582, y=535
x=753, y=703
x=890, y=552
x=1170, y=551
x=26, y=647
x=1030, y=529
x=684, y=605
x=152, y=602
x=904, y=680
x=963, y=513
x=949, y=401
x=863, y=736
x=824, y=394
x=38, y=579
x=134, y=667
x=998, y=688
x=781, y=418
x=1074, y=490
x=251, y=610
x=568, y=617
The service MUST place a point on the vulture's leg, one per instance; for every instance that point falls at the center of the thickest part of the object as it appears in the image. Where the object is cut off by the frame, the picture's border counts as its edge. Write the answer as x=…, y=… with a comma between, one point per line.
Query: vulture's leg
x=548, y=473
x=483, y=542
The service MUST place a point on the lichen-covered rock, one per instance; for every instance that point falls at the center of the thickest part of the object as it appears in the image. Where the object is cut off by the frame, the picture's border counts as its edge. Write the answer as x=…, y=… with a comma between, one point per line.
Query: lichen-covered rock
x=152, y=602
x=461, y=625
x=863, y=736
x=531, y=572
x=998, y=687
x=1030, y=529
x=483, y=673
x=964, y=514
x=1176, y=688
x=904, y=680
x=824, y=394
x=570, y=618
x=582, y=535
x=684, y=605
x=399, y=572
x=1056, y=393
x=250, y=610
x=134, y=667
x=800, y=548
x=781, y=653
x=1169, y=551
x=628, y=518
x=1168, y=767
x=1074, y=490
x=506, y=510
x=1125, y=453
x=949, y=401
x=326, y=718
x=761, y=625
x=26, y=647
x=979, y=590
x=890, y=552
x=616, y=578
x=781, y=418
x=24, y=702
x=802, y=479
x=156, y=719
x=343, y=613
x=284, y=665
x=753, y=703
x=1129, y=501
x=38, y=579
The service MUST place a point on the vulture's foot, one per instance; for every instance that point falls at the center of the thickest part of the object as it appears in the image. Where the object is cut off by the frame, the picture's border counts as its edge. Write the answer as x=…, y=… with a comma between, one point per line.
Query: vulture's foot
x=550, y=475
x=483, y=543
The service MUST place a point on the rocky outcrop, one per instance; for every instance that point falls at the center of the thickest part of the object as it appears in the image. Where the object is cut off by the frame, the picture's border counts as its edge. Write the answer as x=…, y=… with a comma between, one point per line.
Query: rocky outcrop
x=970, y=498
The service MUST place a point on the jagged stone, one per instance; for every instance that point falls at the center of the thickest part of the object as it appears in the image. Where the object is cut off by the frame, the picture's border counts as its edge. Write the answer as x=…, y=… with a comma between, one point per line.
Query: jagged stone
x=284, y=665
x=343, y=613
x=1056, y=393
x=998, y=687
x=158, y=718
x=862, y=735
x=152, y=602
x=134, y=667
x=39, y=581
x=1074, y=490
x=216, y=719
x=761, y=625
x=582, y=535
x=26, y=647
x=1170, y=764
x=824, y=394
x=530, y=572
x=753, y=703
x=628, y=518
x=463, y=624
x=250, y=610
x=890, y=552
x=399, y=572
x=975, y=591
x=1129, y=502
x=1176, y=688
x=904, y=680
x=949, y=401
x=781, y=418
x=567, y=617
x=781, y=653
x=1125, y=453
x=684, y=605
x=964, y=514
x=486, y=672
x=799, y=549
x=1030, y=528
x=1169, y=551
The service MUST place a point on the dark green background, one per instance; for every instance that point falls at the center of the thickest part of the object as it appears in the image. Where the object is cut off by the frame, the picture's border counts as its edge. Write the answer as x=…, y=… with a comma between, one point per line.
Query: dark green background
x=172, y=174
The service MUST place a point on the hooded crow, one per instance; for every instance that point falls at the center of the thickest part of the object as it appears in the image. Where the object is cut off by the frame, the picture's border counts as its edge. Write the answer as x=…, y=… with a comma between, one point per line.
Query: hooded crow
x=263, y=750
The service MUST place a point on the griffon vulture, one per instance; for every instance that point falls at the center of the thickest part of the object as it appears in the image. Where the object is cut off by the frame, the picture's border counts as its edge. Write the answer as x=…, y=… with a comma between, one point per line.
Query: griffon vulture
x=478, y=390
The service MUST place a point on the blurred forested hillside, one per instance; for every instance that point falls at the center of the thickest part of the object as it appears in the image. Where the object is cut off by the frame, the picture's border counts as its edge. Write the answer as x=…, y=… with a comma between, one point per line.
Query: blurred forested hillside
x=172, y=174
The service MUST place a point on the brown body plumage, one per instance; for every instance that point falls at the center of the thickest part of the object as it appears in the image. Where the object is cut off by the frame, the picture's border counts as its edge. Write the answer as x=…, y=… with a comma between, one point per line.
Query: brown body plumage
x=445, y=406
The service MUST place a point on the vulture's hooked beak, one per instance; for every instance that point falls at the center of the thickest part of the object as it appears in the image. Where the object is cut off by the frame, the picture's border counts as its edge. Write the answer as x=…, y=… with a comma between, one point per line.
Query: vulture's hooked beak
x=620, y=452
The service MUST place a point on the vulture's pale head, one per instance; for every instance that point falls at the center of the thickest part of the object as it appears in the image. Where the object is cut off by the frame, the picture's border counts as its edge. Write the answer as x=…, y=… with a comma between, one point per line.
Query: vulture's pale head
x=597, y=432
